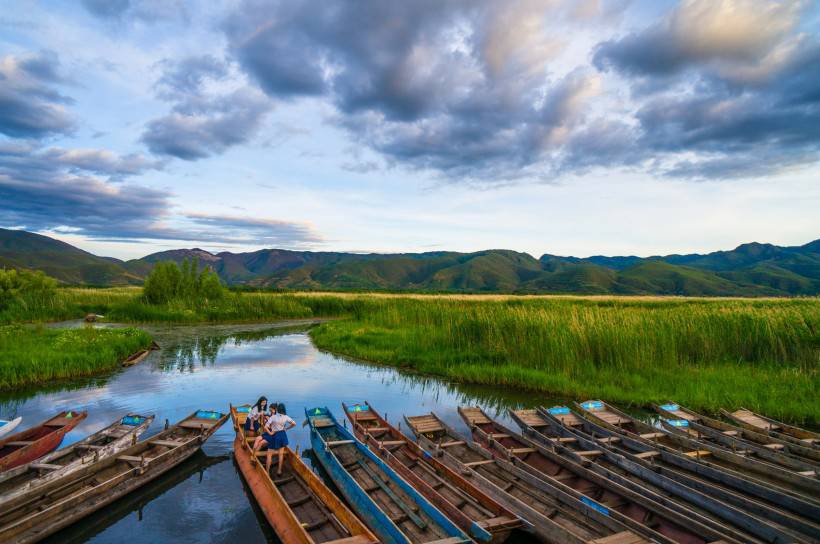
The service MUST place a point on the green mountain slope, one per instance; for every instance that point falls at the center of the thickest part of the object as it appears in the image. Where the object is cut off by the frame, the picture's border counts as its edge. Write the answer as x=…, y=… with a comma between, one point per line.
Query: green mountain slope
x=749, y=270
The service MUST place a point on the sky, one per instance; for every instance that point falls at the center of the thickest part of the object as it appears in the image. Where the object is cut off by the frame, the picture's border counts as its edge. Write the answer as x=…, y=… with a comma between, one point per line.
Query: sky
x=570, y=127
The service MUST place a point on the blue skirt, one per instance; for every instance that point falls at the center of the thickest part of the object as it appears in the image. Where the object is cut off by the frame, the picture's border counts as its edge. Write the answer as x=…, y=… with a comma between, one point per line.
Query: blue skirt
x=249, y=422
x=278, y=440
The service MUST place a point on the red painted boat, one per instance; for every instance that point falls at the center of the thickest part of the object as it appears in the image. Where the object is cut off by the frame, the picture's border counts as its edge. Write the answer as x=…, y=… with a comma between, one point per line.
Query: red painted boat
x=31, y=444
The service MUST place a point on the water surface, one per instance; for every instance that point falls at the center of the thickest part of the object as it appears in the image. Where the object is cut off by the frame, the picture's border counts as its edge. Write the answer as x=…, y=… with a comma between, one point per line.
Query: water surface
x=205, y=500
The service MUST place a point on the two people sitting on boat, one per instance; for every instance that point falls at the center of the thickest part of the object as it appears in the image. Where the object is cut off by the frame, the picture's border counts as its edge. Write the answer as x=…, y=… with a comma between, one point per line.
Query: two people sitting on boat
x=275, y=435
x=255, y=415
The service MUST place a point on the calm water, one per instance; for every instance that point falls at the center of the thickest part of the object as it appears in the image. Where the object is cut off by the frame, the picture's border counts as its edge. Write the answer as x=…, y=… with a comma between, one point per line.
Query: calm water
x=209, y=367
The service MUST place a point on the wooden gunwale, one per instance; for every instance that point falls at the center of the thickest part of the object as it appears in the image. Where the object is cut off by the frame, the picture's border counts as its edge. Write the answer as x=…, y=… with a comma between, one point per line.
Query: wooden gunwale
x=31, y=444
x=391, y=507
x=105, y=442
x=773, y=427
x=59, y=503
x=556, y=516
x=702, y=423
x=697, y=431
x=320, y=517
x=637, y=510
x=742, y=515
x=796, y=484
x=483, y=518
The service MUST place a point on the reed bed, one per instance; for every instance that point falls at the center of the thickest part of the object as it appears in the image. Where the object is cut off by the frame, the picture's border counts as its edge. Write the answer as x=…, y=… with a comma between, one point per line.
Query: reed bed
x=703, y=353
x=32, y=354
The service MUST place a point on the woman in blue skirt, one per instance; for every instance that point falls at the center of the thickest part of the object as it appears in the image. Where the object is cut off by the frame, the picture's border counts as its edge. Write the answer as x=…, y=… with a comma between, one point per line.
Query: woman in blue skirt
x=254, y=420
x=274, y=434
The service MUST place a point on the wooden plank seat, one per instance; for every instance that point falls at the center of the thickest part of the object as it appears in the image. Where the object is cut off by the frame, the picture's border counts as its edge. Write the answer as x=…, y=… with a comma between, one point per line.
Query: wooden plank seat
x=20, y=443
x=774, y=446
x=809, y=473
x=392, y=442
x=521, y=450
x=452, y=443
x=371, y=430
x=698, y=453
x=652, y=436
x=647, y=454
x=590, y=453
x=334, y=443
x=497, y=436
x=607, y=440
x=730, y=432
x=476, y=463
x=133, y=460
x=624, y=537
x=196, y=424
x=166, y=443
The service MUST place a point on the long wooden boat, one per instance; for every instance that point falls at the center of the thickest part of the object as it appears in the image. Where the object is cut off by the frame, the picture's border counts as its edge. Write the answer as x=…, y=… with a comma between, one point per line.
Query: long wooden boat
x=31, y=444
x=614, y=419
x=639, y=511
x=6, y=425
x=555, y=515
x=114, y=438
x=478, y=514
x=679, y=418
x=298, y=505
x=750, y=420
x=753, y=510
x=43, y=511
x=391, y=507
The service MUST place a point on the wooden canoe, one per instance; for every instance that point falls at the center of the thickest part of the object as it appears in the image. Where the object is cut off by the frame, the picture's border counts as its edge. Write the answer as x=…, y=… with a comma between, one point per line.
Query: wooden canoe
x=555, y=516
x=608, y=416
x=44, y=511
x=121, y=434
x=6, y=426
x=484, y=519
x=676, y=482
x=298, y=505
x=638, y=511
x=732, y=436
x=31, y=444
x=390, y=506
x=757, y=422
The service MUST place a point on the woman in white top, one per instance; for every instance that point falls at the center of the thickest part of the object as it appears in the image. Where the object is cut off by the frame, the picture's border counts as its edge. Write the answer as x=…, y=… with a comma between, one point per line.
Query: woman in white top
x=254, y=420
x=274, y=433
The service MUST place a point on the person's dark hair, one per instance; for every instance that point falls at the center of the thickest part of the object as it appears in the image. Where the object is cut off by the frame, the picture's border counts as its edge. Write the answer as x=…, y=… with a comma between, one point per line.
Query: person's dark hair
x=279, y=407
x=258, y=404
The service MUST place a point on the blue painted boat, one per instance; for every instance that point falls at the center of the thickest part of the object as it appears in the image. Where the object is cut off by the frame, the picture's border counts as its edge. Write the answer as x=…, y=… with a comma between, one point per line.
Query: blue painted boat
x=387, y=504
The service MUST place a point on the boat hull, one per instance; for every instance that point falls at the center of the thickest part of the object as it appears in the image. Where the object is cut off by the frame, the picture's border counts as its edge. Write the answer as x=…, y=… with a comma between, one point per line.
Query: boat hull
x=42, y=439
x=10, y=426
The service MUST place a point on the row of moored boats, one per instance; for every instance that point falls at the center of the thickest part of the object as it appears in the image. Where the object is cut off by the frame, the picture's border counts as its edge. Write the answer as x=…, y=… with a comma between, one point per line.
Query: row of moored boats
x=590, y=473
x=583, y=474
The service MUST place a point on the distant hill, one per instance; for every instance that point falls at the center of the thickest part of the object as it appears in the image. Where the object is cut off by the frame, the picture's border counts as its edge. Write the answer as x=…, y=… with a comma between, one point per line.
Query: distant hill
x=20, y=249
x=749, y=270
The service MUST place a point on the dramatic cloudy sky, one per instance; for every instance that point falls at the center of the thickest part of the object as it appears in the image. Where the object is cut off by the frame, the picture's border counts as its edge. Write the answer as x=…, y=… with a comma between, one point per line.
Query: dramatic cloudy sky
x=569, y=127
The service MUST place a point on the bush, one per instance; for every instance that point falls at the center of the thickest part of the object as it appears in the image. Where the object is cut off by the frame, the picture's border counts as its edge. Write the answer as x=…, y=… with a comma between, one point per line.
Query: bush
x=168, y=283
x=19, y=287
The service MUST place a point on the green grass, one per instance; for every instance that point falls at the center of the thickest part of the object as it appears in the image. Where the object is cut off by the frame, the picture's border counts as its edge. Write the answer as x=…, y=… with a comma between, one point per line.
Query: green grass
x=705, y=354
x=31, y=355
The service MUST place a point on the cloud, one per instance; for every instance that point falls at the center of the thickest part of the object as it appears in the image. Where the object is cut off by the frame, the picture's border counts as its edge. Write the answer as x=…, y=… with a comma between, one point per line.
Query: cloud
x=458, y=87
x=203, y=122
x=724, y=32
x=146, y=11
x=723, y=89
x=246, y=230
x=30, y=104
x=59, y=190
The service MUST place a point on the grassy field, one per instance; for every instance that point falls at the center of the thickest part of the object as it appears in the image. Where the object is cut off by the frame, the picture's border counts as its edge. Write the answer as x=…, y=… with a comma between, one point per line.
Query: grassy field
x=704, y=353
x=32, y=354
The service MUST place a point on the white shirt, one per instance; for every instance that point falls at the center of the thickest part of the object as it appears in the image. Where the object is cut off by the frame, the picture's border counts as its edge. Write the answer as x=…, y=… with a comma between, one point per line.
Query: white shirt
x=254, y=413
x=277, y=422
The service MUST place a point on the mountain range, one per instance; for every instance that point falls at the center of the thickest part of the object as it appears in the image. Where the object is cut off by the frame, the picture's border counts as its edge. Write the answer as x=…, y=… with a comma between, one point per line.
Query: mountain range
x=752, y=269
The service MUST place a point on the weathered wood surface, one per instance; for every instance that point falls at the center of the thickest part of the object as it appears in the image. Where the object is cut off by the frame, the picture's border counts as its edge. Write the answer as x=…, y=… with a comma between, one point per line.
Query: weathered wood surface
x=41, y=512
x=641, y=511
x=102, y=444
x=763, y=513
x=772, y=426
x=390, y=506
x=803, y=486
x=31, y=444
x=299, y=507
x=707, y=425
x=555, y=515
x=483, y=518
